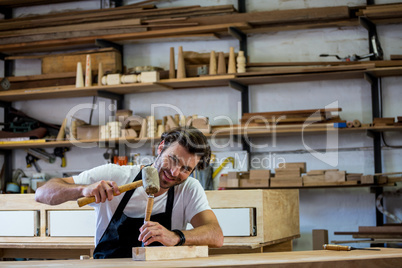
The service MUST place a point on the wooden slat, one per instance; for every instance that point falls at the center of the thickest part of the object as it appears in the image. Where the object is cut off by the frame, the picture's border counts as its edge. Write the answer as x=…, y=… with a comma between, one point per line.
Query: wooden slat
x=279, y=16
x=291, y=112
x=21, y=3
x=76, y=27
x=33, y=46
x=291, y=70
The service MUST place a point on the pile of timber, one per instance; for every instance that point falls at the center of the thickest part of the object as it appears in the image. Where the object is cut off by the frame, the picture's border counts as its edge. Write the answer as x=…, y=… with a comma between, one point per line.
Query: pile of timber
x=292, y=119
x=23, y=3
x=134, y=22
x=391, y=233
x=115, y=24
x=295, y=174
x=388, y=13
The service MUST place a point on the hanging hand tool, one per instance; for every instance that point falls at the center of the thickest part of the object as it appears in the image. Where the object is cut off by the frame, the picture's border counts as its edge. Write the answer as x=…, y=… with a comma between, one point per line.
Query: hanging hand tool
x=31, y=160
x=377, y=53
x=61, y=152
x=150, y=183
x=41, y=154
x=344, y=248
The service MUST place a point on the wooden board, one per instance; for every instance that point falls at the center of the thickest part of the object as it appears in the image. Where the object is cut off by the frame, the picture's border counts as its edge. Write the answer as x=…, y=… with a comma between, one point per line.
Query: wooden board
x=328, y=183
x=335, y=176
x=111, y=62
x=169, y=253
x=385, y=257
x=254, y=183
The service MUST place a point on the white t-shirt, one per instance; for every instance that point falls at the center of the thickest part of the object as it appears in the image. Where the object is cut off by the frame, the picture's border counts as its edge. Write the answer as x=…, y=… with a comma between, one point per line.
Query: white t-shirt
x=189, y=197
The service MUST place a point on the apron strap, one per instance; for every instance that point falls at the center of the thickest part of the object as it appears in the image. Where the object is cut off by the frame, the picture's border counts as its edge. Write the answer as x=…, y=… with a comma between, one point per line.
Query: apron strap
x=126, y=198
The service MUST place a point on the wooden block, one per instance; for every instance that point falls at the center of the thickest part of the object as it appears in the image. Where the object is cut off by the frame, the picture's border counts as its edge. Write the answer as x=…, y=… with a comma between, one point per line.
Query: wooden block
x=223, y=182
x=383, y=121
x=170, y=123
x=212, y=63
x=255, y=183
x=382, y=179
x=111, y=62
x=149, y=77
x=367, y=179
x=313, y=178
x=202, y=124
x=330, y=183
x=169, y=253
x=335, y=176
x=238, y=175
x=296, y=182
x=316, y=172
x=301, y=165
x=279, y=172
x=87, y=132
x=320, y=237
x=354, y=177
x=256, y=174
x=232, y=183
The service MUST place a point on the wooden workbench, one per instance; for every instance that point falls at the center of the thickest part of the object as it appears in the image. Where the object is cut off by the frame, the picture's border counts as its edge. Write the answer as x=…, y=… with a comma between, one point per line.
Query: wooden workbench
x=276, y=225
x=387, y=257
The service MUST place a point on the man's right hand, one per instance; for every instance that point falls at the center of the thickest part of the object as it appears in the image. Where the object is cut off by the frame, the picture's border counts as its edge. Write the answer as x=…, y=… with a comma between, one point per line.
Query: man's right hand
x=101, y=190
x=60, y=190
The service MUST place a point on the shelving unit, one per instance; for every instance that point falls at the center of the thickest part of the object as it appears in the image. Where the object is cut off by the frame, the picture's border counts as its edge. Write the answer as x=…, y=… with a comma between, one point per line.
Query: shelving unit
x=239, y=29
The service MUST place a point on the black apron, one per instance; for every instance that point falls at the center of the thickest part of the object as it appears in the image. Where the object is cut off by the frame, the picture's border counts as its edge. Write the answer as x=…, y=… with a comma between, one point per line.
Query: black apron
x=122, y=233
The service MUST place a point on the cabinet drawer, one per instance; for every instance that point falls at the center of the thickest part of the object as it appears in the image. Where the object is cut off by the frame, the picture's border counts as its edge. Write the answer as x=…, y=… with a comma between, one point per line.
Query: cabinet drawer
x=236, y=221
x=19, y=223
x=71, y=223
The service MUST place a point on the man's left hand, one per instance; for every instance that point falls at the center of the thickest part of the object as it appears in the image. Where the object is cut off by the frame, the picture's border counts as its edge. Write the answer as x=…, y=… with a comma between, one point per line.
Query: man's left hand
x=154, y=232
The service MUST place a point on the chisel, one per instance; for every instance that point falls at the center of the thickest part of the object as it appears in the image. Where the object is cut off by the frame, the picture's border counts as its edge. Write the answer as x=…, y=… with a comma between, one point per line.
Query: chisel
x=344, y=248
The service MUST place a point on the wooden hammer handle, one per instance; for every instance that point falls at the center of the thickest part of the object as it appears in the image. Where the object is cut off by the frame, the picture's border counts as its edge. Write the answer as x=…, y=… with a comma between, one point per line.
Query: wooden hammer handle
x=148, y=210
x=336, y=247
x=123, y=188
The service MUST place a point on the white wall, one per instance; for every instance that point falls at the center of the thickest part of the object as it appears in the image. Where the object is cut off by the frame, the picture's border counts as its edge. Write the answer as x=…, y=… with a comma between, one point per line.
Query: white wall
x=342, y=209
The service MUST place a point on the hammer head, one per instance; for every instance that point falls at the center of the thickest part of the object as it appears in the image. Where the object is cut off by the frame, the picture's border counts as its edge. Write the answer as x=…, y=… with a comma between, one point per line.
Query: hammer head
x=150, y=180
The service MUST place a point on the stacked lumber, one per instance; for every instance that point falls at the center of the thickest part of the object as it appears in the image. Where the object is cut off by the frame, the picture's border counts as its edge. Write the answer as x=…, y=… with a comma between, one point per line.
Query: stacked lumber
x=330, y=177
x=24, y=3
x=388, y=13
x=327, y=177
x=383, y=121
x=255, y=178
x=399, y=121
x=135, y=22
x=82, y=28
x=60, y=69
x=289, y=175
x=322, y=117
x=381, y=234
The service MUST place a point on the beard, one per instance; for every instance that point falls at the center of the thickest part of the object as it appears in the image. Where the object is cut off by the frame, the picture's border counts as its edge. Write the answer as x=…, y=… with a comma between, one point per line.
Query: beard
x=166, y=180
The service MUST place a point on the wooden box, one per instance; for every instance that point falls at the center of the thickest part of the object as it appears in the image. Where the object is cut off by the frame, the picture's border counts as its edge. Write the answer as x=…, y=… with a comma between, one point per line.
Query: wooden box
x=277, y=214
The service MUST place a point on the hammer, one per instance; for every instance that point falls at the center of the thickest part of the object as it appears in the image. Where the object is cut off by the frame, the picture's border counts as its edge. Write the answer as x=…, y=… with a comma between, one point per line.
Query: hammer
x=150, y=181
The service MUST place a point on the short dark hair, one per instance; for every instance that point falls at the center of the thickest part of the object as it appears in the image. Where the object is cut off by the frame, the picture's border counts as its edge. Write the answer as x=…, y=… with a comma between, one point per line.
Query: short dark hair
x=193, y=140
